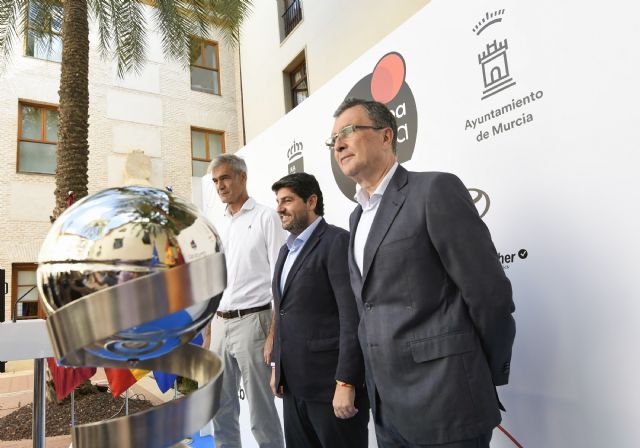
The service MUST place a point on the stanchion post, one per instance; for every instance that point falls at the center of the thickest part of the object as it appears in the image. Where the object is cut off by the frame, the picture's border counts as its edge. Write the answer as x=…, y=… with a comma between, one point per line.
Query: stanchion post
x=73, y=408
x=39, y=403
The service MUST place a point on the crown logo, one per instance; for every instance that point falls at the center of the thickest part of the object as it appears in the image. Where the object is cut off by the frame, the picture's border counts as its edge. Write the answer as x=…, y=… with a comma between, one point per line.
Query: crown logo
x=488, y=20
x=295, y=150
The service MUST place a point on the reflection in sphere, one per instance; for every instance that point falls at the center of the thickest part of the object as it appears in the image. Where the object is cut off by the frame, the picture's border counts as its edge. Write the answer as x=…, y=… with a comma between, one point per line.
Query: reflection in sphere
x=122, y=235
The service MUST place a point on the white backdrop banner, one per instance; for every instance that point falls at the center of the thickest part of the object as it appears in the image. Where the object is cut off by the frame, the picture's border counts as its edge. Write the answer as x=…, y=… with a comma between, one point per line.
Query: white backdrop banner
x=534, y=105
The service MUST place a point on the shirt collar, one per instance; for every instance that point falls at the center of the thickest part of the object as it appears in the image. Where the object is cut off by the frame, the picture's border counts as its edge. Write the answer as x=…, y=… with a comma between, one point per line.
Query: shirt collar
x=249, y=204
x=294, y=241
x=363, y=198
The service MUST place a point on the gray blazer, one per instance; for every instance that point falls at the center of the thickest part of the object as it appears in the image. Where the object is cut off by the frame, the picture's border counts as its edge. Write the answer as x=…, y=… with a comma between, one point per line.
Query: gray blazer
x=435, y=306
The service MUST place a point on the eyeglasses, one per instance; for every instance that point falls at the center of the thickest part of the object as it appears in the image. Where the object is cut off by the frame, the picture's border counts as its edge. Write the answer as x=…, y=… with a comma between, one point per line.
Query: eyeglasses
x=346, y=132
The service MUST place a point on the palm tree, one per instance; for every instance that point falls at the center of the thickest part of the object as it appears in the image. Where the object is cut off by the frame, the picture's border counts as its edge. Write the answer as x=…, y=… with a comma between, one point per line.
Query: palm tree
x=122, y=31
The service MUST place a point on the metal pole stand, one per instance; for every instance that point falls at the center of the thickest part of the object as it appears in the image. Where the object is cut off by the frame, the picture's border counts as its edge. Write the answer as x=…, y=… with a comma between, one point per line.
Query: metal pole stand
x=39, y=403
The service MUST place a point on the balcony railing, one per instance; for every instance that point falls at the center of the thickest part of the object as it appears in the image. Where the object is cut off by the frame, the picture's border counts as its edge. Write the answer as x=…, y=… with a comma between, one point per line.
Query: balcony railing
x=292, y=16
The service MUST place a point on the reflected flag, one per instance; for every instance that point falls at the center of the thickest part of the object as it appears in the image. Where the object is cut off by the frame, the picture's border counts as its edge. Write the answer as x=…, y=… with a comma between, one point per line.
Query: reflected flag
x=122, y=379
x=66, y=379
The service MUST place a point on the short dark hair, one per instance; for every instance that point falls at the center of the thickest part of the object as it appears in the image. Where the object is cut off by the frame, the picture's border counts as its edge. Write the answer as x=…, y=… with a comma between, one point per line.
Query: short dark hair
x=304, y=185
x=378, y=113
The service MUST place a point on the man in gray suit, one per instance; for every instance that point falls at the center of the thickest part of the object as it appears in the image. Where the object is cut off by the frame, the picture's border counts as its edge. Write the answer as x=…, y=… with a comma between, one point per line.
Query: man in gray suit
x=436, y=325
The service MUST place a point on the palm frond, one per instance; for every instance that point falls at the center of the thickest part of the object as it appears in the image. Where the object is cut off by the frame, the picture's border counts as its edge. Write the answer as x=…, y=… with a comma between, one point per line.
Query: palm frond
x=227, y=16
x=180, y=20
x=121, y=32
x=100, y=12
x=175, y=28
x=130, y=54
x=197, y=13
x=13, y=21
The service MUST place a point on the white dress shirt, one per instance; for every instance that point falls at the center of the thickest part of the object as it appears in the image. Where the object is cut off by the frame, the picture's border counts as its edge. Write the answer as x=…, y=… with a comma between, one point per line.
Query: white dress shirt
x=251, y=239
x=295, y=243
x=369, y=209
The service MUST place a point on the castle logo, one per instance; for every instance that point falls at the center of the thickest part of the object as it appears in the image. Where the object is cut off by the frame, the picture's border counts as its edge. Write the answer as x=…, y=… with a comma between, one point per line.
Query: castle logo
x=493, y=60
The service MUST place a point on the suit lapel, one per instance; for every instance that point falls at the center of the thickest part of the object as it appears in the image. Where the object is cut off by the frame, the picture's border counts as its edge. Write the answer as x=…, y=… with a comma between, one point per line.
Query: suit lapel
x=353, y=223
x=389, y=207
x=277, y=273
x=312, y=242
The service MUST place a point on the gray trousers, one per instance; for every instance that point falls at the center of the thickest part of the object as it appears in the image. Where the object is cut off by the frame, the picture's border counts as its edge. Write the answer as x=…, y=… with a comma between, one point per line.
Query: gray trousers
x=240, y=344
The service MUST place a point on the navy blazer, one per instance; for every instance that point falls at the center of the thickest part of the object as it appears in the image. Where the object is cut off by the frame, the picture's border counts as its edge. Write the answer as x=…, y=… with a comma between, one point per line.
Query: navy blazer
x=435, y=307
x=316, y=340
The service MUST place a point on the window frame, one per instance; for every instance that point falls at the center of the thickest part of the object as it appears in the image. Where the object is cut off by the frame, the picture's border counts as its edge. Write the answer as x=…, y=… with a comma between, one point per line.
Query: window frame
x=206, y=132
x=289, y=24
x=203, y=43
x=21, y=267
x=293, y=86
x=28, y=27
x=43, y=126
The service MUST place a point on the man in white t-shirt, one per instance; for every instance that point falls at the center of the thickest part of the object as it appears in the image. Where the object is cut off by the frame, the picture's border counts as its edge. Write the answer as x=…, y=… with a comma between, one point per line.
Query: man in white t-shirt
x=241, y=332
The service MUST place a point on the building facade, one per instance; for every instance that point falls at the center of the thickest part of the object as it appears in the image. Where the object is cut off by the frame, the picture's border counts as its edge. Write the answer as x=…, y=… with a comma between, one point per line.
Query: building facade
x=178, y=117
x=290, y=48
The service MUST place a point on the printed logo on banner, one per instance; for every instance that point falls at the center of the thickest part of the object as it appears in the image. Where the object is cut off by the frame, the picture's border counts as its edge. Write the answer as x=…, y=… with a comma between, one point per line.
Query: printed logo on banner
x=497, y=81
x=493, y=60
x=294, y=154
x=509, y=259
x=481, y=201
x=386, y=84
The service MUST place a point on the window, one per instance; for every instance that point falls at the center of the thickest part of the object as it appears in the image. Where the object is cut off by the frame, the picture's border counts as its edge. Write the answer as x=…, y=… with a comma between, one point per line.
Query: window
x=298, y=82
x=37, y=138
x=23, y=287
x=205, y=67
x=49, y=46
x=205, y=145
x=292, y=15
x=118, y=243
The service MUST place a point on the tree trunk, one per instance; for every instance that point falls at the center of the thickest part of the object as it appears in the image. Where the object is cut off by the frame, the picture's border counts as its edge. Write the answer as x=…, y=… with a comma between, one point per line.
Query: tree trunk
x=72, y=157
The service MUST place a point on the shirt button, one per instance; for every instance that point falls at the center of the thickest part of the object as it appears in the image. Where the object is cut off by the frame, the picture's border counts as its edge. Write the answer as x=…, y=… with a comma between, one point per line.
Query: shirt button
x=368, y=306
x=281, y=312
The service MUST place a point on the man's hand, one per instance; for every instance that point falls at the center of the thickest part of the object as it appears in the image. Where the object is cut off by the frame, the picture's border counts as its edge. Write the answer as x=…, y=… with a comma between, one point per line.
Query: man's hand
x=268, y=343
x=278, y=393
x=343, y=400
x=268, y=348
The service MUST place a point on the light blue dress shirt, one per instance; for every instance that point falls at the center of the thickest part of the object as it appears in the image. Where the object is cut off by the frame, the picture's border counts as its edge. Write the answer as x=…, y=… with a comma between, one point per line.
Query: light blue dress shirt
x=295, y=245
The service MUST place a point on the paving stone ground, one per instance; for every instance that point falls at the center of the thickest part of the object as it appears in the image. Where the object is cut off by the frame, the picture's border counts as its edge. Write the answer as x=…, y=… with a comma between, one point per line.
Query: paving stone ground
x=16, y=397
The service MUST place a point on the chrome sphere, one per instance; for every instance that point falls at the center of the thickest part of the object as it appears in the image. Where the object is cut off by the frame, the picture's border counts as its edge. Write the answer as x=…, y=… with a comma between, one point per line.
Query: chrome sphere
x=104, y=247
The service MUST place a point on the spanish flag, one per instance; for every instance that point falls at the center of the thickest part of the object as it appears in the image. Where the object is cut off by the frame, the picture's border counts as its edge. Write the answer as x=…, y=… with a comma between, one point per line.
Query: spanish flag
x=122, y=379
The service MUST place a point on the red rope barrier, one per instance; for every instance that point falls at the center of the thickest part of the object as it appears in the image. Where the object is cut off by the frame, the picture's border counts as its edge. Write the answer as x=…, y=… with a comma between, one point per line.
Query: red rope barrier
x=513, y=439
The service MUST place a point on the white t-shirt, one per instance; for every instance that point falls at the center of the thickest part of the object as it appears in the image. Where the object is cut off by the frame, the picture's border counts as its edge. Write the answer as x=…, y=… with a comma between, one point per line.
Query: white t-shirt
x=251, y=239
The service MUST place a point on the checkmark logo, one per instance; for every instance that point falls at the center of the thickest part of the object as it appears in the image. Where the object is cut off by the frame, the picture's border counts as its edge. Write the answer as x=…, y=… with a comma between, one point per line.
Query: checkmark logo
x=522, y=253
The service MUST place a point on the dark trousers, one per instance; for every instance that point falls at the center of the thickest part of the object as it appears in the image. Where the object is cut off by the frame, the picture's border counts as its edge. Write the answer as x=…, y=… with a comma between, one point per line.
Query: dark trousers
x=312, y=424
x=389, y=437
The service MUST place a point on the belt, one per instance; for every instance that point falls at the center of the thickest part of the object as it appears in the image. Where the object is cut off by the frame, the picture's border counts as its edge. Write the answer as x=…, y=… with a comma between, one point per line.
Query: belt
x=239, y=313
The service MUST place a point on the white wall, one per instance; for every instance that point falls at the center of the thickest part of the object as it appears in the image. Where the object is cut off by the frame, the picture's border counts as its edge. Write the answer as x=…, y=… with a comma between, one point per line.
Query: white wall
x=562, y=187
x=332, y=34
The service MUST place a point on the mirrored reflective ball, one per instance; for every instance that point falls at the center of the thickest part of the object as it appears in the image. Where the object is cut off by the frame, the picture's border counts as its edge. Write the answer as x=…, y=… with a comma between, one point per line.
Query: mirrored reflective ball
x=118, y=235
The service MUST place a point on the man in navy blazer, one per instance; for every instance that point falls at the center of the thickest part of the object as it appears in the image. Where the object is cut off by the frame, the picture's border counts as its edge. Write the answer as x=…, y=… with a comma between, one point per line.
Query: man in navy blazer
x=436, y=325
x=318, y=368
